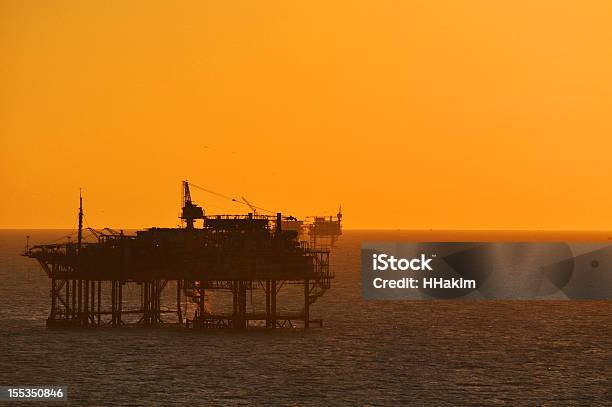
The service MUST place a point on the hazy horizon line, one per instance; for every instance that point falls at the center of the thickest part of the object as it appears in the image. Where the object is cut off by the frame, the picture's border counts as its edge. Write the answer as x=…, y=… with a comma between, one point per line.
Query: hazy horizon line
x=358, y=229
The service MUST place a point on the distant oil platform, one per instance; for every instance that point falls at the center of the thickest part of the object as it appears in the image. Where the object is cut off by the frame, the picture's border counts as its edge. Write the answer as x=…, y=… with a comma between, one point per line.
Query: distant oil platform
x=232, y=272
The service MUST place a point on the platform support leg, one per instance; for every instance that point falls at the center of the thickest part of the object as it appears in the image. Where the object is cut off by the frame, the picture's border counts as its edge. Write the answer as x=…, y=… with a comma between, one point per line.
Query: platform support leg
x=85, y=319
x=99, y=300
x=273, y=293
x=306, y=304
x=80, y=301
x=53, y=300
x=74, y=291
x=202, y=303
x=268, y=319
x=68, y=310
x=179, y=312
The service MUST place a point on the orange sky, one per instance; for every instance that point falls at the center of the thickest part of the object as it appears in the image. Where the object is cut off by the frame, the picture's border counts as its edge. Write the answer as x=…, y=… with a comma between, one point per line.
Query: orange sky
x=415, y=114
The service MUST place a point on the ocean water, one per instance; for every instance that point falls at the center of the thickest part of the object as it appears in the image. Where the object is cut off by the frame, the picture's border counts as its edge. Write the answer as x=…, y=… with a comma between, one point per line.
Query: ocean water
x=528, y=353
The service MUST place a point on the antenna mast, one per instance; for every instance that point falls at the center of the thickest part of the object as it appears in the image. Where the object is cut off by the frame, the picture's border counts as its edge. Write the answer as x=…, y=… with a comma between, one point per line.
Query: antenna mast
x=80, y=235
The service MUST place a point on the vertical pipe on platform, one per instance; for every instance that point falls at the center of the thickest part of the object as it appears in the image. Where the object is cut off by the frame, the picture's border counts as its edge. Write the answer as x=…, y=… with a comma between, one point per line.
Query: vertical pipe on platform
x=202, y=303
x=145, y=301
x=244, y=323
x=120, y=301
x=86, y=302
x=179, y=313
x=151, y=307
x=279, y=222
x=268, y=319
x=74, y=310
x=273, y=303
x=113, y=303
x=160, y=286
x=92, y=308
x=80, y=301
x=99, y=299
x=306, y=304
x=152, y=298
x=234, y=304
x=156, y=287
x=53, y=300
x=67, y=285
x=142, y=301
x=152, y=302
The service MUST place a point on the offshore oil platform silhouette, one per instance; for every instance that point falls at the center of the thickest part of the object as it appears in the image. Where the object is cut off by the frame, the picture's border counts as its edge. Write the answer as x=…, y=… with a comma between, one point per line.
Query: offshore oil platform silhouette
x=230, y=273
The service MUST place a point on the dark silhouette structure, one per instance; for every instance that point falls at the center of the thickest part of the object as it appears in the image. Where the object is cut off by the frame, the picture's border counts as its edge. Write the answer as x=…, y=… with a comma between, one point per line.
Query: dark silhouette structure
x=228, y=273
x=324, y=231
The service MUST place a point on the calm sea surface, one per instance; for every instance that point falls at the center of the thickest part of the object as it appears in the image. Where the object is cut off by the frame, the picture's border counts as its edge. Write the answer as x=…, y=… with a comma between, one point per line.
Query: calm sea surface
x=367, y=353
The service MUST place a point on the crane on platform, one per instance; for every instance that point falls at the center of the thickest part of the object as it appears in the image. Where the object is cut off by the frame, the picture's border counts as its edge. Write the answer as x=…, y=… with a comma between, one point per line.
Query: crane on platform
x=253, y=208
x=190, y=211
x=241, y=201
